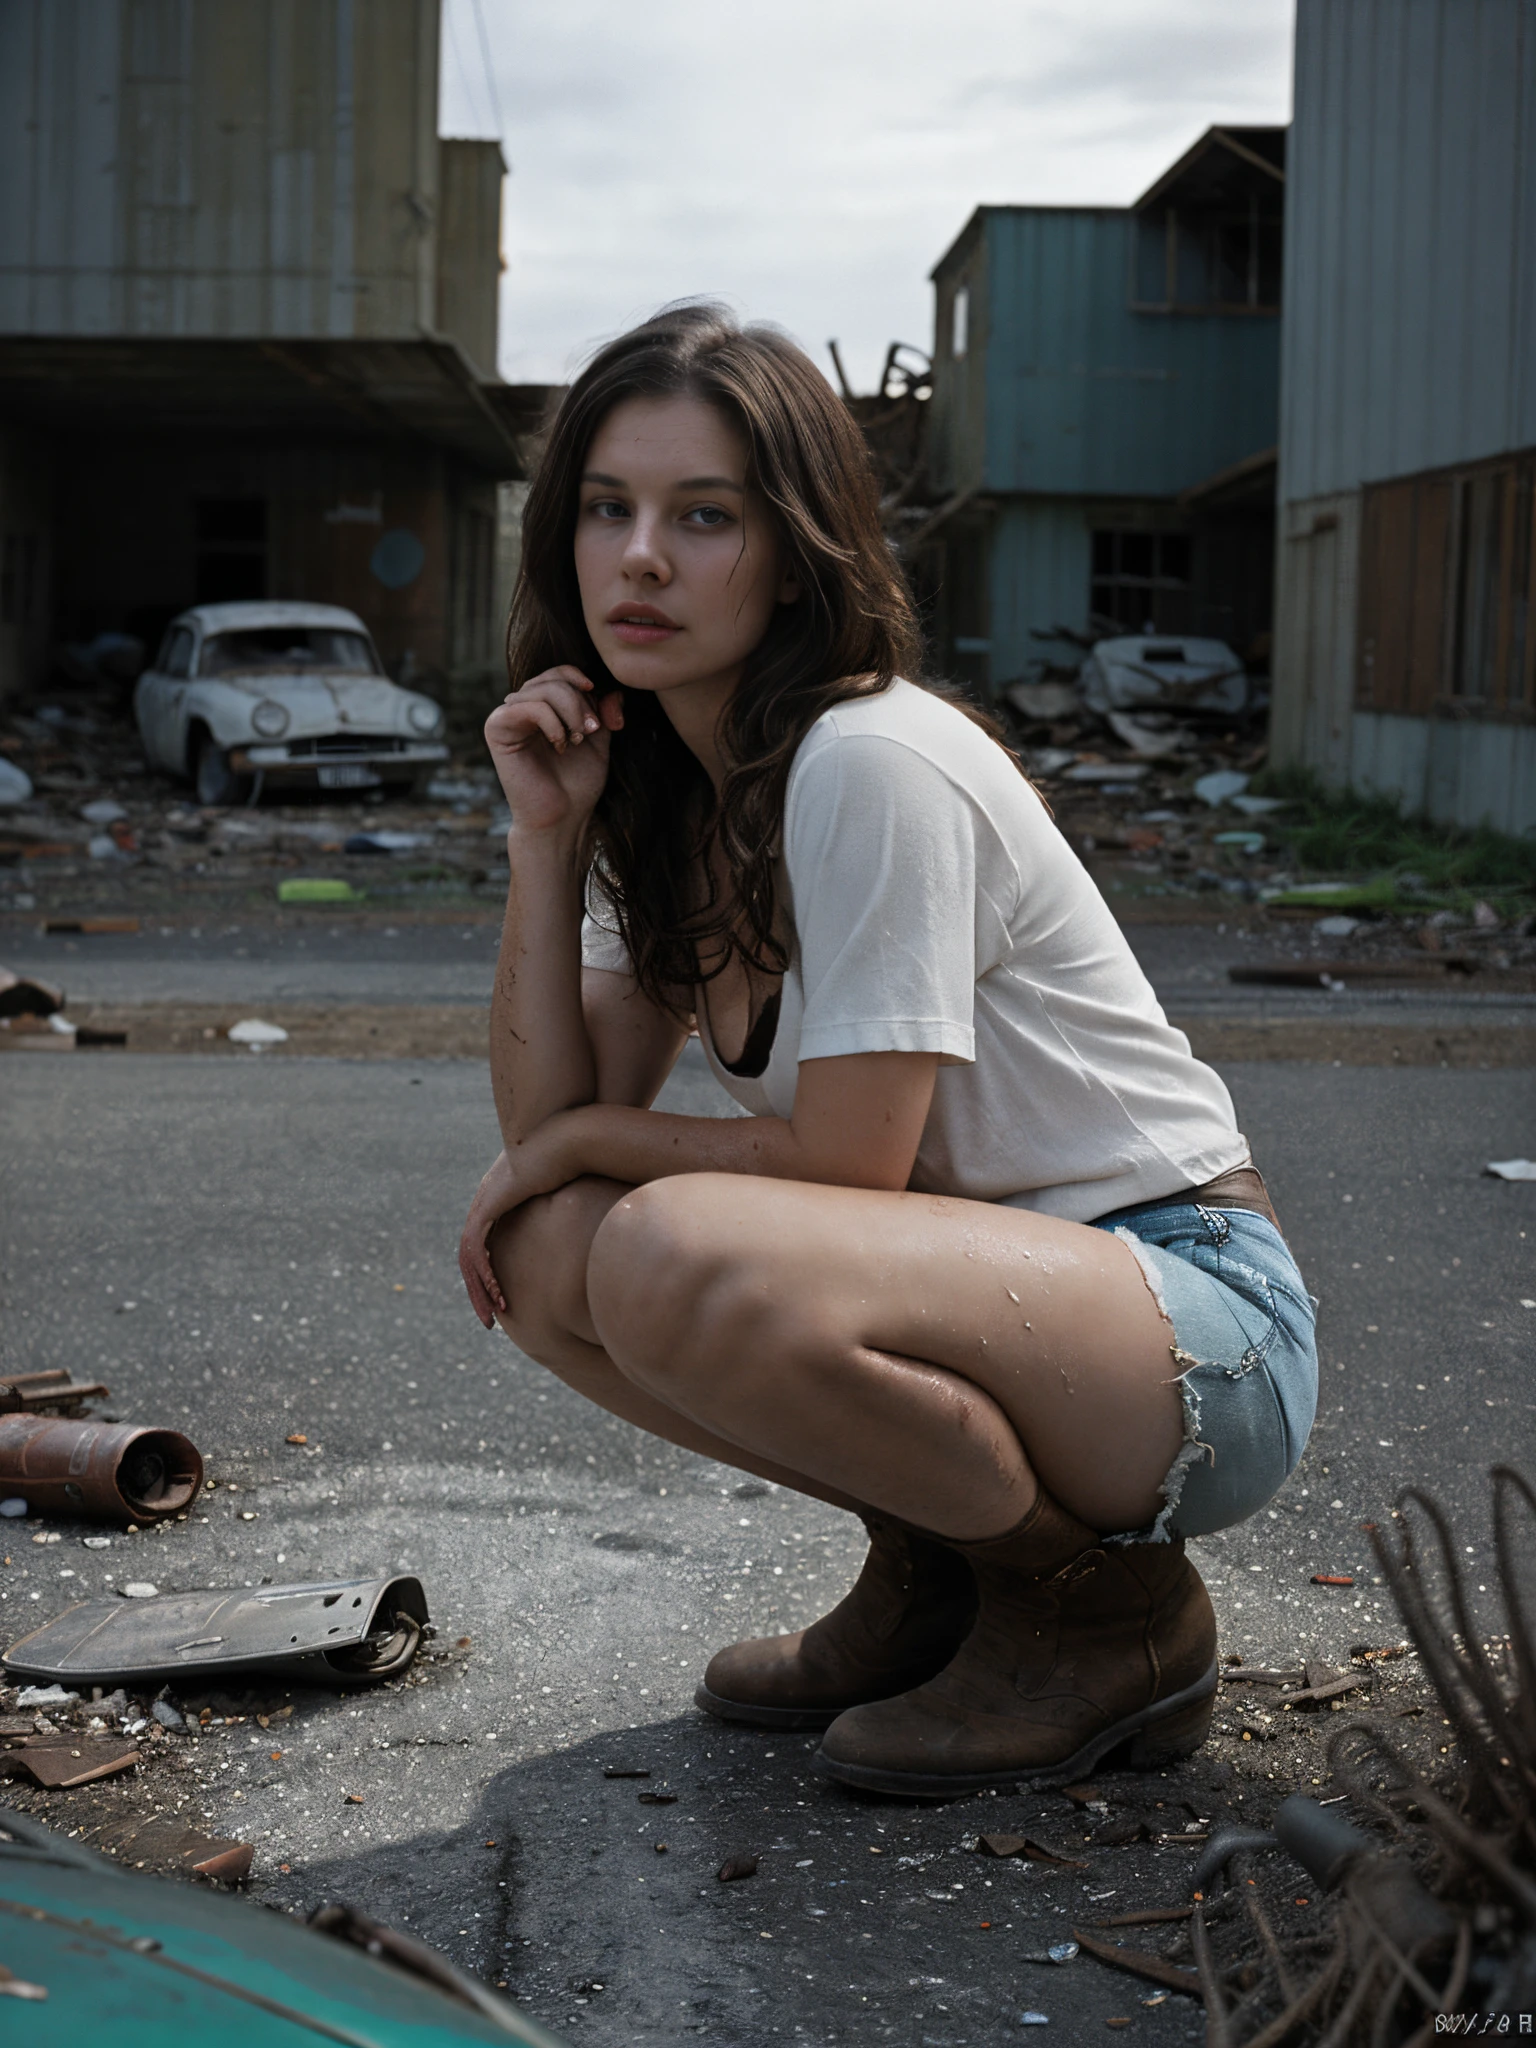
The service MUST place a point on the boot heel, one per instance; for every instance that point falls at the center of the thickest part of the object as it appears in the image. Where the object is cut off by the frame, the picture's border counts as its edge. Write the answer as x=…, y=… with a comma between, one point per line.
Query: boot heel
x=1178, y=1734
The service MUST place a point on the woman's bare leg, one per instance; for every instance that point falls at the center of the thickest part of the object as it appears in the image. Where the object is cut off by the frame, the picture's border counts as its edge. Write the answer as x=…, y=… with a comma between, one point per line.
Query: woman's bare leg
x=540, y=1255
x=925, y=1354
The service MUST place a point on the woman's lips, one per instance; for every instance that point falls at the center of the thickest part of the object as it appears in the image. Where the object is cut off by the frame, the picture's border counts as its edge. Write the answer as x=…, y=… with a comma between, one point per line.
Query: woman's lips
x=642, y=628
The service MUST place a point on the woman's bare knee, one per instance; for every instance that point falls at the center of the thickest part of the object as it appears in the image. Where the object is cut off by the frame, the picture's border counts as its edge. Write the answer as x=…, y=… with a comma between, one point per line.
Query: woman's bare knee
x=671, y=1288
x=540, y=1253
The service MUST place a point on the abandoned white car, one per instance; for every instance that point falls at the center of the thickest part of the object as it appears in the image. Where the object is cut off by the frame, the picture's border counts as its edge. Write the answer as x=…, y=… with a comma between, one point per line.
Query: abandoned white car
x=243, y=698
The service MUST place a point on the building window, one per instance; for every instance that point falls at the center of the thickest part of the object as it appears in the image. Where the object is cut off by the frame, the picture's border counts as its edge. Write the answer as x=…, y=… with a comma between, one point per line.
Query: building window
x=1447, y=575
x=231, y=538
x=1142, y=581
x=960, y=323
x=18, y=579
x=1208, y=261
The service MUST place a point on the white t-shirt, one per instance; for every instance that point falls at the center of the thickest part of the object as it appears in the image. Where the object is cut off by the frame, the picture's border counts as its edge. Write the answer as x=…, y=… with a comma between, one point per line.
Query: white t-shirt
x=936, y=908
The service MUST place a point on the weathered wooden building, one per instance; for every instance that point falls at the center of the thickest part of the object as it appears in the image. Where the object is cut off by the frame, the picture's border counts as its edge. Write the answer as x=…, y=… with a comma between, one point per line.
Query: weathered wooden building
x=1405, y=647
x=1104, y=409
x=248, y=313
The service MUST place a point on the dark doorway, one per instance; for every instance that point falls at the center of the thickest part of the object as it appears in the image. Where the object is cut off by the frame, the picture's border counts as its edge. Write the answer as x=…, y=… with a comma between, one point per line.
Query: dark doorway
x=231, y=550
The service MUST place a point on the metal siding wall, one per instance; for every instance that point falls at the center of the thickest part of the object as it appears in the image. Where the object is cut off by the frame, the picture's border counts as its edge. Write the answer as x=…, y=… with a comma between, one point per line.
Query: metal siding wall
x=218, y=167
x=1086, y=396
x=1460, y=773
x=1410, y=286
x=1039, y=570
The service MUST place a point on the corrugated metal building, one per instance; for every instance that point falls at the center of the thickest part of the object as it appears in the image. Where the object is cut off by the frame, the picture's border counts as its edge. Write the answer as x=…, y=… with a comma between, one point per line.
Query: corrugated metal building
x=1104, y=408
x=1405, y=648
x=247, y=324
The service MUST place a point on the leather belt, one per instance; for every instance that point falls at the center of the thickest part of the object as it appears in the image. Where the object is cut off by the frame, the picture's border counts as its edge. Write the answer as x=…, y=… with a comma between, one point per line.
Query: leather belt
x=1242, y=1188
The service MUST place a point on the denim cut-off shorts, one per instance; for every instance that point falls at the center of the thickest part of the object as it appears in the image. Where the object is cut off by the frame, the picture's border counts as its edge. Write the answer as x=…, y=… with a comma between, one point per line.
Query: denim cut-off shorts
x=1245, y=1347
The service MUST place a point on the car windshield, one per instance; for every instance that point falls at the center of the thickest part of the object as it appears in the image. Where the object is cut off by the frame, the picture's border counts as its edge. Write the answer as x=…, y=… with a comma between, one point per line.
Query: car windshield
x=298, y=648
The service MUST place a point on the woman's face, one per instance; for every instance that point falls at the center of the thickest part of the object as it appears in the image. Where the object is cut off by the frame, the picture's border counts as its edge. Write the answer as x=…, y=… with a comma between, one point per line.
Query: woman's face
x=679, y=564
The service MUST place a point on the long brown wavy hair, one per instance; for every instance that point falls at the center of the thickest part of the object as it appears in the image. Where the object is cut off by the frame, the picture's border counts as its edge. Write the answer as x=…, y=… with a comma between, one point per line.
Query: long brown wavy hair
x=851, y=631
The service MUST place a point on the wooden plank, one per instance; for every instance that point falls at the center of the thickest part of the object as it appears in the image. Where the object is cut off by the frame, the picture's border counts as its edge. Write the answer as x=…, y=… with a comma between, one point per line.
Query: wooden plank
x=1431, y=581
x=1504, y=625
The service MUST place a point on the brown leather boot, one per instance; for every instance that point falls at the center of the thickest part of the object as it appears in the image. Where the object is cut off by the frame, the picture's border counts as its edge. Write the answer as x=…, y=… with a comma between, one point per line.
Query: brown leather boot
x=1079, y=1648
x=908, y=1612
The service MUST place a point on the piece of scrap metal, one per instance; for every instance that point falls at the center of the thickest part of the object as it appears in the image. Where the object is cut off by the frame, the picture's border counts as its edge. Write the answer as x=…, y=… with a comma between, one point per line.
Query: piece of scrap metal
x=109, y=1471
x=171, y=1843
x=58, y=1763
x=31, y=1392
x=330, y=1632
x=22, y=996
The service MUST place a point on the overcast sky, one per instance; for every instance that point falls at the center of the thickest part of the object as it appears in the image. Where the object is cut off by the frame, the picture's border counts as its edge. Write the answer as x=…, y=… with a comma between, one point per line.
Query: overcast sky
x=811, y=160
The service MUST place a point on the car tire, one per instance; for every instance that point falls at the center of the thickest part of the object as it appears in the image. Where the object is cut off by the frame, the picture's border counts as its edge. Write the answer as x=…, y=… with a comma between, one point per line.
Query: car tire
x=218, y=786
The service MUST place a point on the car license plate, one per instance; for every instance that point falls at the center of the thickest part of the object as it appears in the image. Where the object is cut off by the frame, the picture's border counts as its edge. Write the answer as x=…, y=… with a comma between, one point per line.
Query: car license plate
x=347, y=775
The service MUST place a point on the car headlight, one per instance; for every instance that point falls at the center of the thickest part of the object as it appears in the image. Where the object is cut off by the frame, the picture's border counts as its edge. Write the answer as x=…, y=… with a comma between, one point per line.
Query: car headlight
x=270, y=718
x=425, y=716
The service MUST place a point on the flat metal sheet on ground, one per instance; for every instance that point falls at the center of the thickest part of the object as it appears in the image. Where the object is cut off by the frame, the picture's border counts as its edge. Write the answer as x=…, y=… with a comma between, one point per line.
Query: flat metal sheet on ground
x=303, y=1630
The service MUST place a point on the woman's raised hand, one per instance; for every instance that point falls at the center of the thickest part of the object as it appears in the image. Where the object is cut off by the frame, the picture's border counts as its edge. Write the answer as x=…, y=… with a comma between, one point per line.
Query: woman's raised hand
x=549, y=742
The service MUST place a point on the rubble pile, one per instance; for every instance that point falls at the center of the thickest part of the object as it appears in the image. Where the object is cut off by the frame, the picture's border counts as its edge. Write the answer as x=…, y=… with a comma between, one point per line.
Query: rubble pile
x=82, y=817
x=1168, y=803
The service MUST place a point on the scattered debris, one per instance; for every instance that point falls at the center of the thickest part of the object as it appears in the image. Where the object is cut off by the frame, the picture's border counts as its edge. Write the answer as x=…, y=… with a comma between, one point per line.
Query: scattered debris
x=735, y=1867
x=656, y=1798
x=1220, y=787
x=15, y=785
x=1150, y=1916
x=386, y=842
x=55, y=1390
x=1330, y=973
x=624, y=1771
x=45, y=1696
x=168, y=1842
x=1153, y=734
x=1139, y=1962
x=1512, y=1169
x=12, y=1986
x=1331, y=1579
x=90, y=927
x=22, y=996
x=14, y=1508
x=1133, y=673
x=58, y=1764
x=139, y=1589
x=110, y=1471
x=1034, y=2019
x=256, y=1033
x=1027, y=1846
x=1001, y=1845
x=1120, y=1833
x=1059, y=1952
x=318, y=889
x=342, y=1631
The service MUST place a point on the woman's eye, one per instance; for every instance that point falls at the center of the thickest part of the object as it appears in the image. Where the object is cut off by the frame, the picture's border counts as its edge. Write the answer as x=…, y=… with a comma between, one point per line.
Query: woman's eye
x=608, y=508
x=709, y=515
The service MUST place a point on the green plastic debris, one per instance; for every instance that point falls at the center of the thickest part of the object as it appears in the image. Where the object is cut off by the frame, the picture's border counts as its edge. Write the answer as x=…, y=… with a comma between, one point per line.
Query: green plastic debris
x=98, y=1953
x=318, y=889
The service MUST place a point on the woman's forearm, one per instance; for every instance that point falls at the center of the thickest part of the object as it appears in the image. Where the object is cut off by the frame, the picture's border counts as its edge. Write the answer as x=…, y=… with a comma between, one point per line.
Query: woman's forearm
x=640, y=1145
x=541, y=1055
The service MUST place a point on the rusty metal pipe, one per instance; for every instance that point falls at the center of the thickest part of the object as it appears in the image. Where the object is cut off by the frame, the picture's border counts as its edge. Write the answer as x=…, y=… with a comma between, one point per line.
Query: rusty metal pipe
x=102, y=1471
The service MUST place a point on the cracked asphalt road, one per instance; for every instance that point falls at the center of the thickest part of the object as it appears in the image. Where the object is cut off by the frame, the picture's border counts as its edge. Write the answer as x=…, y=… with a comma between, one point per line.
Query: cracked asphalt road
x=285, y=1234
